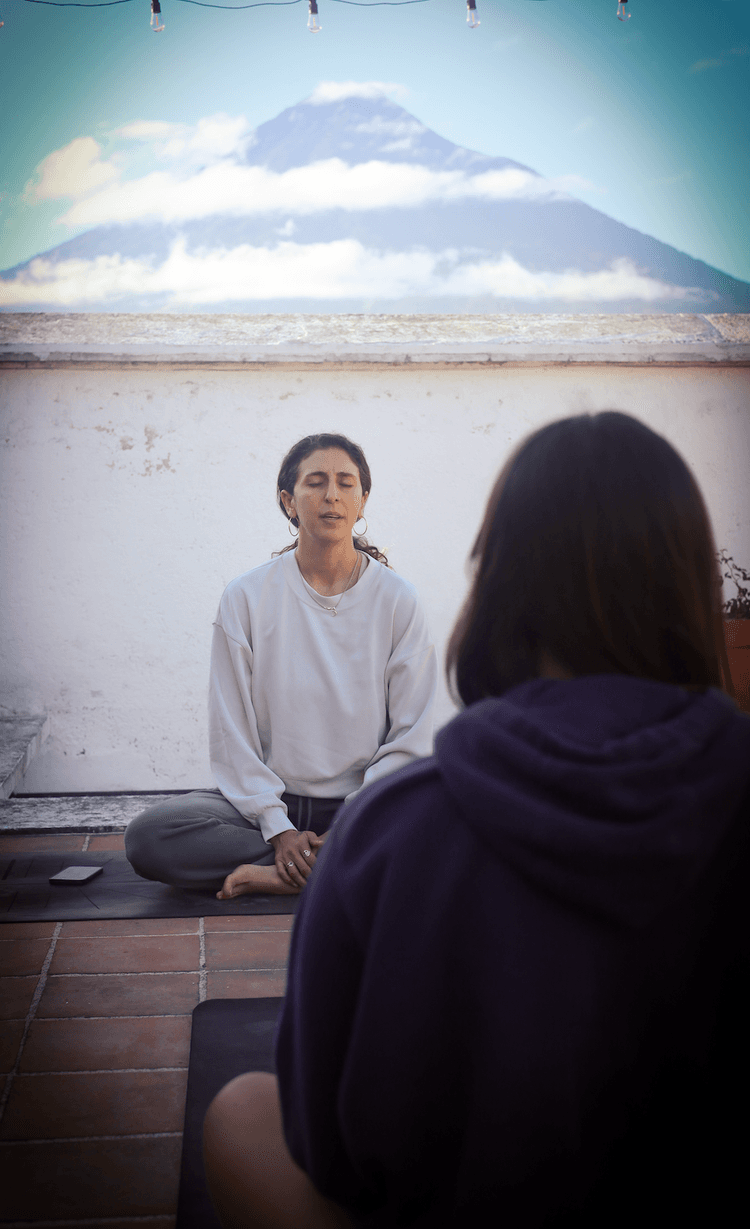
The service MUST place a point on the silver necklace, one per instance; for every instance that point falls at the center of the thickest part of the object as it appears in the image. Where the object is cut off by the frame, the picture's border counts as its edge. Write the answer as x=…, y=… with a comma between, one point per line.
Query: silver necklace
x=332, y=609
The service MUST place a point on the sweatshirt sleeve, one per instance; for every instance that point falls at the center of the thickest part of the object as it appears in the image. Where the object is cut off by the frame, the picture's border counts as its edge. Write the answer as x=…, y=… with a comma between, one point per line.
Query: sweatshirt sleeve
x=234, y=742
x=411, y=681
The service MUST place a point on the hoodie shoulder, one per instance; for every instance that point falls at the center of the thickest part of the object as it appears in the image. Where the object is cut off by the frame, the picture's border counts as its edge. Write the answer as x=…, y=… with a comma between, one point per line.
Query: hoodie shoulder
x=608, y=791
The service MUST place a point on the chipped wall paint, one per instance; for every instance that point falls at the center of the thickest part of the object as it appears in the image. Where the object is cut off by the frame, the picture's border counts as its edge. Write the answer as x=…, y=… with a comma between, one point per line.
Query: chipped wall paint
x=132, y=496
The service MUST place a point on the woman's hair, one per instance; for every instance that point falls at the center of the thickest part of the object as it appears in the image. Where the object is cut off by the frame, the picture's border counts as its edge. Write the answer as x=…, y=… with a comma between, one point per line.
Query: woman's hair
x=596, y=546
x=287, y=480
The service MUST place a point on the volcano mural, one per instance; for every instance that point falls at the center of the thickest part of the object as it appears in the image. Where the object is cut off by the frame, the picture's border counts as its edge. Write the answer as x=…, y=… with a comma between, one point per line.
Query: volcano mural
x=339, y=204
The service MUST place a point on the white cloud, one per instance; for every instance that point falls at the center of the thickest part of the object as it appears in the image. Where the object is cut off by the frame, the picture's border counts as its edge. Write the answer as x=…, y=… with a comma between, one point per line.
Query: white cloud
x=74, y=170
x=507, y=278
x=334, y=91
x=149, y=130
x=200, y=170
x=229, y=187
x=700, y=66
x=341, y=269
x=78, y=169
x=724, y=58
x=214, y=137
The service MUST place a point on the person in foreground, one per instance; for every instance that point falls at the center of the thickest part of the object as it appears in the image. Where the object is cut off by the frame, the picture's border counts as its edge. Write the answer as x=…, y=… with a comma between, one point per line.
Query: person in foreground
x=323, y=679
x=518, y=977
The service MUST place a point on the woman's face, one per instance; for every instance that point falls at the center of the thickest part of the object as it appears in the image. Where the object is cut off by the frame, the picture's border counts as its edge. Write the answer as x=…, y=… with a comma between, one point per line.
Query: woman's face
x=327, y=499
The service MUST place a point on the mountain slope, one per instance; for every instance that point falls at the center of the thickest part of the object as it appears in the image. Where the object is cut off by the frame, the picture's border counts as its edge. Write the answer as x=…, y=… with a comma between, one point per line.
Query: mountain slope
x=451, y=230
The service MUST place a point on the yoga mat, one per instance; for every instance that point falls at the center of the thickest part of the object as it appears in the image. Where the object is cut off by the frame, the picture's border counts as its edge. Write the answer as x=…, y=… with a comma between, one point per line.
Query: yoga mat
x=26, y=895
x=229, y=1037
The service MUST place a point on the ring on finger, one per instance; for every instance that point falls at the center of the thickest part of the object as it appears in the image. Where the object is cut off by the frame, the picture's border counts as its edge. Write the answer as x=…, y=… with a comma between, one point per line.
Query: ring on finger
x=305, y=853
x=290, y=864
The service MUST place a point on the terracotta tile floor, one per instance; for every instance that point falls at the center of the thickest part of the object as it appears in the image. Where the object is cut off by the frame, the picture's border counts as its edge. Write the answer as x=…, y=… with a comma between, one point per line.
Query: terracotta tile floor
x=94, y=1044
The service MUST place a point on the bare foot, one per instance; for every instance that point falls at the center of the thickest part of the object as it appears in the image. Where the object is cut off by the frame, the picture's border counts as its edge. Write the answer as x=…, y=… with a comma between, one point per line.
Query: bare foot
x=251, y=878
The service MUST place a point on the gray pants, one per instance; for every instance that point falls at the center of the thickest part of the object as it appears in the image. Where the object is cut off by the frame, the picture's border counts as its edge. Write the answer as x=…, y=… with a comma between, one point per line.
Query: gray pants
x=195, y=840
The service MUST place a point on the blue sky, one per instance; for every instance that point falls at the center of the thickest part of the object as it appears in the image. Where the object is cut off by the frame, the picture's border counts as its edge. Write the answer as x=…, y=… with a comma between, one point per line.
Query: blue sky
x=653, y=114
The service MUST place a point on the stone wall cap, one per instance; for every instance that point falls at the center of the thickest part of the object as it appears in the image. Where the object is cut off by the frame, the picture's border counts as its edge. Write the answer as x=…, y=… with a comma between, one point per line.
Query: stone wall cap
x=42, y=338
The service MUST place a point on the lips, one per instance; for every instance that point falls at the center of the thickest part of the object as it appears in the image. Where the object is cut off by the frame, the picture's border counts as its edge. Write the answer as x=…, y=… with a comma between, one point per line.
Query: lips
x=331, y=516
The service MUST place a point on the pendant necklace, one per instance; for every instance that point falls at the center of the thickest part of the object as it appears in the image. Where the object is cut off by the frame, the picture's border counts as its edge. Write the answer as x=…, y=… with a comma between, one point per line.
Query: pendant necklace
x=332, y=609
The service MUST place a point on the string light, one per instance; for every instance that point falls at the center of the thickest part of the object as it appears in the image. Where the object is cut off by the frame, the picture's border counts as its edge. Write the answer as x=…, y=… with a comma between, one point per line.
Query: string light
x=312, y=23
x=622, y=11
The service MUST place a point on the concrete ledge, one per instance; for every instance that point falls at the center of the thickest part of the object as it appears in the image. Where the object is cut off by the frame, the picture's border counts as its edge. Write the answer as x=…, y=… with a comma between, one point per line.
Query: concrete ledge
x=20, y=739
x=40, y=339
x=75, y=812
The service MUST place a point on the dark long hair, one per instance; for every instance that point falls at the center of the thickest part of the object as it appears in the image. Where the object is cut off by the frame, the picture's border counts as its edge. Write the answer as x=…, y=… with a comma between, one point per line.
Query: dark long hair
x=287, y=480
x=596, y=546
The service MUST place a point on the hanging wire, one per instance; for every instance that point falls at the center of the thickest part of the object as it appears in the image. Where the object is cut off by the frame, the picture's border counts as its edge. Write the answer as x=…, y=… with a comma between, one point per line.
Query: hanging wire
x=374, y=4
x=76, y=4
x=204, y=4
x=260, y=4
x=105, y=4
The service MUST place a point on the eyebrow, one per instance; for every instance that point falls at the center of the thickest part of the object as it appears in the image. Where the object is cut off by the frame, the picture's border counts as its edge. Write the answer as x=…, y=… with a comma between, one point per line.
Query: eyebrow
x=343, y=473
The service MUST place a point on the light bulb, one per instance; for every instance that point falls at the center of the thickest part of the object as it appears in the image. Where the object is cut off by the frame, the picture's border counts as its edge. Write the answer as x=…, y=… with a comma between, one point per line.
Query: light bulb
x=471, y=14
x=155, y=14
x=312, y=21
x=622, y=12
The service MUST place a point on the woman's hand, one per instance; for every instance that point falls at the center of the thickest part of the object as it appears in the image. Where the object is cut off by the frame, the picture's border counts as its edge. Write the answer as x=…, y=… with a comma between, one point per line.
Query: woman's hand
x=295, y=855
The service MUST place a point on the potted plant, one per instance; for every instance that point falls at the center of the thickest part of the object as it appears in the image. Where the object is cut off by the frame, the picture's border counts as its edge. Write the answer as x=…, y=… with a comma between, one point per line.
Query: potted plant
x=736, y=612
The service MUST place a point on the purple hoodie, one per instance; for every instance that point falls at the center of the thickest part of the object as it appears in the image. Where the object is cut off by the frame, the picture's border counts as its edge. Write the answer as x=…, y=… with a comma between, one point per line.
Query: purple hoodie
x=513, y=958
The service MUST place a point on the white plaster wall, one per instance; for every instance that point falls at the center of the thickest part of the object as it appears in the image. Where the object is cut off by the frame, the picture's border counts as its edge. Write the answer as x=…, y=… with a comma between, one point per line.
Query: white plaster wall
x=131, y=497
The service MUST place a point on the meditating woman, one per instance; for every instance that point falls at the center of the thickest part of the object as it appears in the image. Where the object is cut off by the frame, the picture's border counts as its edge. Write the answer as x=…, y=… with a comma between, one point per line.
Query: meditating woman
x=323, y=679
x=518, y=977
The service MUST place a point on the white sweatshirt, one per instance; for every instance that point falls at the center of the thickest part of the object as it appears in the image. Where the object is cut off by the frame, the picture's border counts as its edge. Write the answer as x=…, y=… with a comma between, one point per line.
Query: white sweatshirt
x=317, y=705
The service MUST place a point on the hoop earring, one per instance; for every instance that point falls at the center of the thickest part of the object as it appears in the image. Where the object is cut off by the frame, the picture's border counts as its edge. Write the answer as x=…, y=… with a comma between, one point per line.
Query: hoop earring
x=289, y=525
x=361, y=533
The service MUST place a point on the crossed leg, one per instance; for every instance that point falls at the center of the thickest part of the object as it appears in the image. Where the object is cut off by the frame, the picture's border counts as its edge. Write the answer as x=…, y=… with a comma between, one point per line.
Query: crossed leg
x=254, y=1182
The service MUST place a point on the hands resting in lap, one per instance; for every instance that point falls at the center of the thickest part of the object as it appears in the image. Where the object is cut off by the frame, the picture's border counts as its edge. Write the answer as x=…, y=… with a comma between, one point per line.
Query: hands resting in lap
x=295, y=855
x=294, y=858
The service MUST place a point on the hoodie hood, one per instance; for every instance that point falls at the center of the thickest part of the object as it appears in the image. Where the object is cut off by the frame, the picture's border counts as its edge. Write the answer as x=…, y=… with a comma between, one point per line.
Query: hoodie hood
x=607, y=791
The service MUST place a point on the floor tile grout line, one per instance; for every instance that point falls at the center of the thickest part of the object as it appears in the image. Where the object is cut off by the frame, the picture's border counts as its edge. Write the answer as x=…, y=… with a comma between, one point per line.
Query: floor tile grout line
x=281, y=968
x=273, y=930
x=173, y=934
x=68, y=1019
x=202, y=976
x=35, y=1001
x=113, y=973
x=99, y=1071
x=91, y=1139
